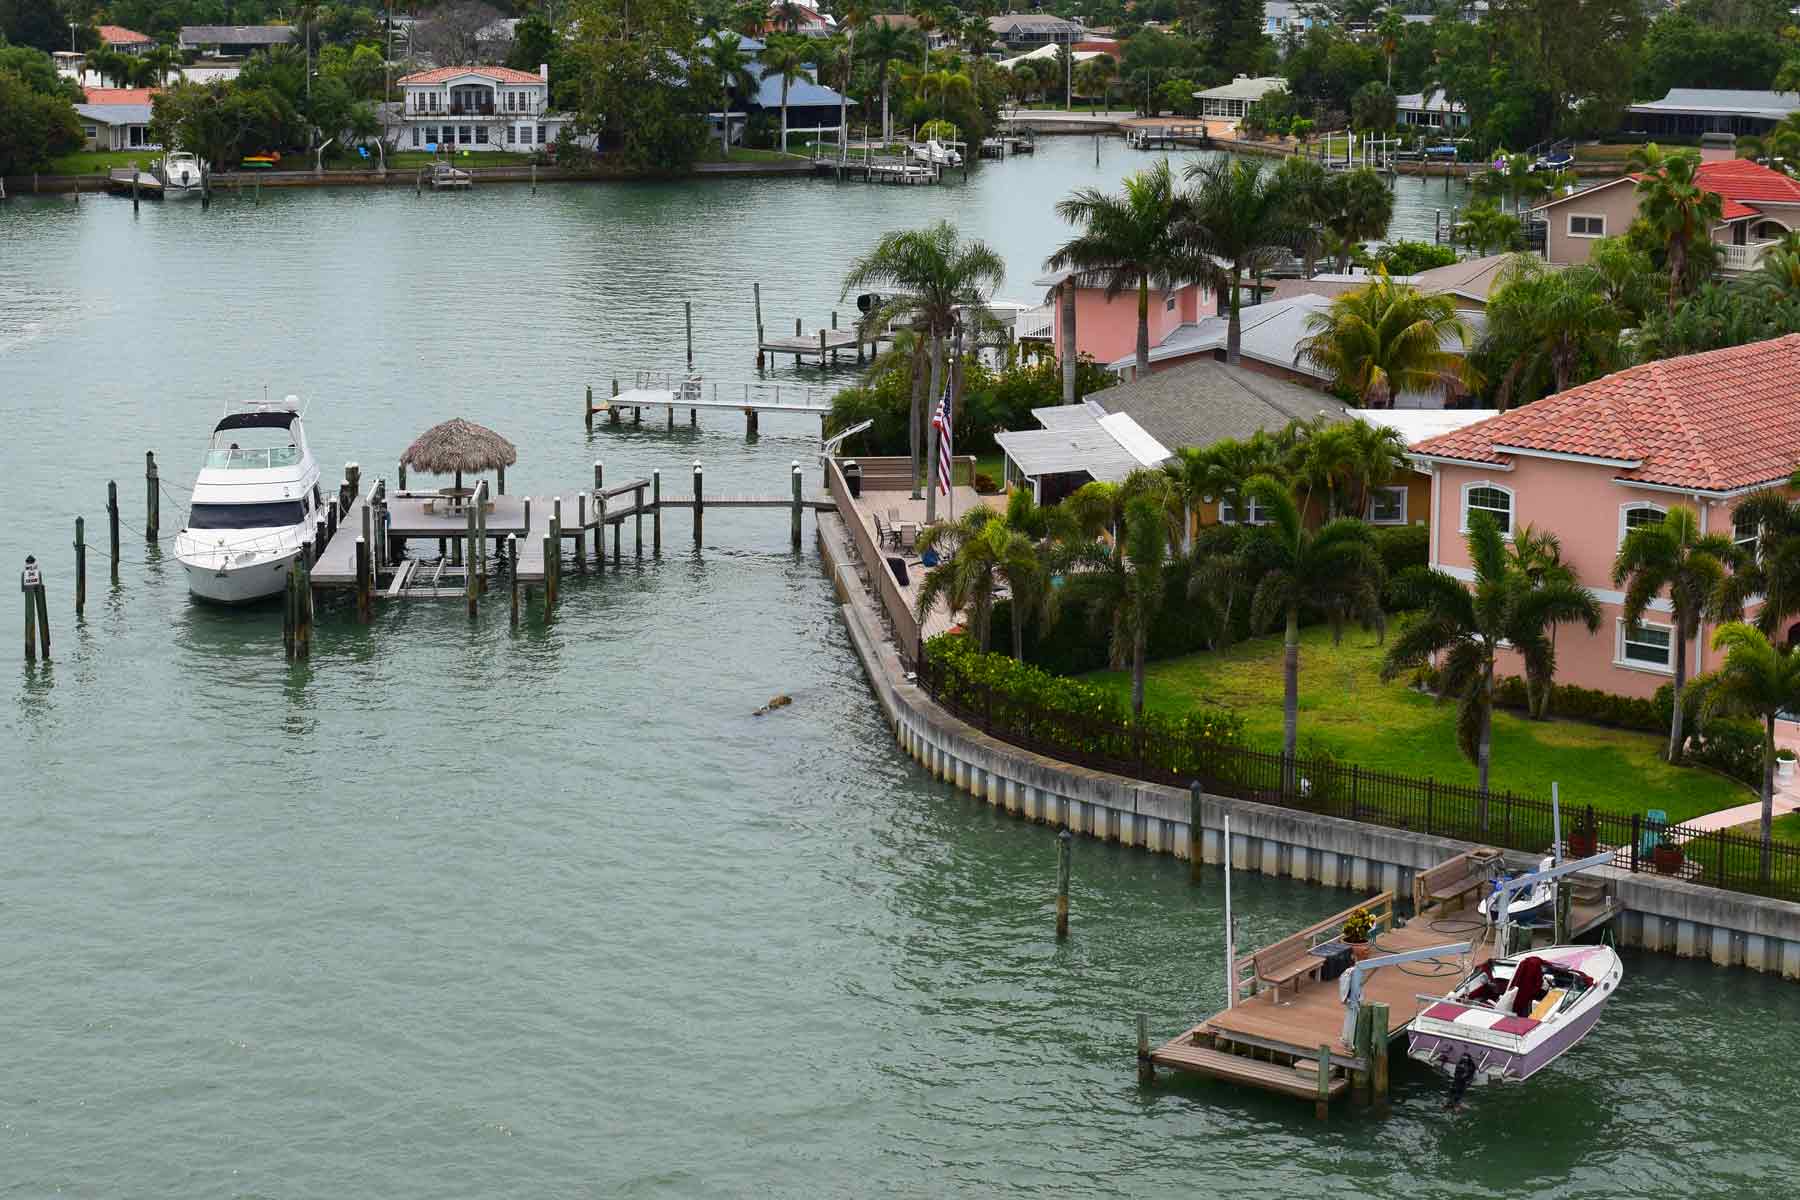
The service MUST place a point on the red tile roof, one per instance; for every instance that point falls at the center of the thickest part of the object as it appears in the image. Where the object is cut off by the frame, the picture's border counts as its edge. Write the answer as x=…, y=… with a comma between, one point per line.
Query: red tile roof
x=99, y=95
x=497, y=74
x=1717, y=421
x=1747, y=182
x=118, y=35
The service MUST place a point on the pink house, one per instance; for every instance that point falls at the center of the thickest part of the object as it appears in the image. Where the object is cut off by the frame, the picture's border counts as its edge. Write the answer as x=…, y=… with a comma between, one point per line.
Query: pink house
x=1106, y=328
x=1590, y=463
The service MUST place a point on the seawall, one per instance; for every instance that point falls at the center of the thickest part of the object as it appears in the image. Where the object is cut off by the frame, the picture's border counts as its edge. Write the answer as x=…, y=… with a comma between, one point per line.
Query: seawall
x=1731, y=928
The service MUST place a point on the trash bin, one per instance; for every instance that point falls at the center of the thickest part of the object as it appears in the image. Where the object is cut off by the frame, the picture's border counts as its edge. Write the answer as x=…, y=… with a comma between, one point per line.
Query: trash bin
x=853, y=479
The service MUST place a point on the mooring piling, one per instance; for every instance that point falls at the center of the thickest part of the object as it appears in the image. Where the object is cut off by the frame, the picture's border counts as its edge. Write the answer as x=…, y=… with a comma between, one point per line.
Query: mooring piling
x=656, y=513
x=1064, y=850
x=637, y=497
x=1146, y=1067
x=1195, y=833
x=587, y=408
x=37, y=611
x=1378, y=1054
x=80, y=566
x=289, y=618
x=581, y=505
x=112, y=526
x=1322, y=1105
x=152, y=498
x=794, y=531
x=512, y=554
x=699, y=503
x=688, y=308
x=365, y=609
x=757, y=288
x=471, y=584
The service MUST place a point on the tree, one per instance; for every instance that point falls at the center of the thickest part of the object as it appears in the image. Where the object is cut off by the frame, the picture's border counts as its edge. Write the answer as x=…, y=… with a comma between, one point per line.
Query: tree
x=927, y=276
x=1132, y=239
x=632, y=81
x=219, y=121
x=452, y=36
x=1345, y=461
x=1128, y=582
x=34, y=127
x=1673, y=556
x=1309, y=194
x=728, y=65
x=785, y=57
x=1386, y=339
x=1361, y=208
x=1537, y=555
x=1555, y=328
x=1626, y=277
x=977, y=552
x=1237, y=216
x=1463, y=628
x=1335, y=569
x=1579, y=52
x=1485, y=229
x=1374, y=107
x=1757, y=680
x=535, y=42
x=1771, y=572
x=1672, y=202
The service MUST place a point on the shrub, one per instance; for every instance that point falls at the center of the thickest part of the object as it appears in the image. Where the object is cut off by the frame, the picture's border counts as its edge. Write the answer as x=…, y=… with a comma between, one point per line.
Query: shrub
x=1402, y=546
x=1586, y=704
x=1732, y=748
x=984, y=483
x=1410, y=258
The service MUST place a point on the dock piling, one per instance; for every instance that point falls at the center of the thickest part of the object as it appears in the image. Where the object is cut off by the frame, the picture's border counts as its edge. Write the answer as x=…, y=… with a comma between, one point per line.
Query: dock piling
x=112, y=526
x=618, y=532
x=799, y=483
x=303, y=629
x=637, y=498
x=587, y=408
x=152, y=498
x=1064, y=850
x=549, y=577
x=1146, y=1067
x=656, y=513
x=1322, y=1107
x=824, y=366
x=80, y=566
x=472, y=576
x=365, y=608
x=37, y=611
x=290, y=618
x=1196, y=834
x=699, y=504
x=1378, y=1053
x=581, y=521
x=553, y=563
x=757, y=288
x=688, y=308
x=599, y=477
x=512, y=553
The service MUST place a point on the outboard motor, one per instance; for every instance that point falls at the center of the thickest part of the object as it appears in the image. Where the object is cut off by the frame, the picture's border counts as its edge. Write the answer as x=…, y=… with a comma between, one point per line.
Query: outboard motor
x=1459, y=1083
x=868, y=302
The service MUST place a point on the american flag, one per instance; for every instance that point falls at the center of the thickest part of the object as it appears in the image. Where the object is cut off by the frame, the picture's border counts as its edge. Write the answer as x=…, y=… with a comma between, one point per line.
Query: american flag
x=940, y=420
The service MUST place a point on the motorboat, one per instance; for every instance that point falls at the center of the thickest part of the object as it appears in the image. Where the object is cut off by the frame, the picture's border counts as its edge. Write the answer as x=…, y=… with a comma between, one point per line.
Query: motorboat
x=181, y=174
x=938, y=154
x=443, y=175
x=1533, y=905
x=255, y=503
x=1512, y=1017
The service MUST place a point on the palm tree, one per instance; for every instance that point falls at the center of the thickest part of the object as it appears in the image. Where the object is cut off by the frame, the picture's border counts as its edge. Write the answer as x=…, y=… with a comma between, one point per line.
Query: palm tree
x=1780, y=145
x=1485, y=228
x=1465, y=627
x=1757, y=680
x=1556, y=328
x=1671, y=199
x=1309, y=189
x=1132, y=239
x=946, y=83
x=729, y=65
x=1391, y=29
x=1128, y=578
x=1362, y=208
x=1627, y=278
x=885, y=45
x=162, y=60
x=1537, y=555
x=978, y=551
x=1345, y=462
x=1673, y=556
x=785, y=56
x=1386, y=339
x=1238, y=215
x=927, y=275
x=1334, y=568
x=1771, y=572
x=788, y=14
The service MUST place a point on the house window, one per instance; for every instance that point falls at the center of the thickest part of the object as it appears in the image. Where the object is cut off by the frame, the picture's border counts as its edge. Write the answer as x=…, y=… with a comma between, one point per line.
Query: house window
x=481, y=135
x=415, y=135
x=1387, y=506
x=512, y=135
x=1259, y=515
x=1586, y=225
x=1636, y=516
x=1496, y=502
x=525, y=134
x=462, y=135
x=91, y=131
x=1645, y=647
x=431, y=135
x=1169, y=303
x=540, y=135
x=1744, y=532
x=136, y=137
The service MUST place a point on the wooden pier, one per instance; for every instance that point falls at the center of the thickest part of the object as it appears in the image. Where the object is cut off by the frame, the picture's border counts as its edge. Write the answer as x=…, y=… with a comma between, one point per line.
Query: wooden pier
x=892, y=169
x=656, y=390
x=1169, y=137
x=1287, y=1037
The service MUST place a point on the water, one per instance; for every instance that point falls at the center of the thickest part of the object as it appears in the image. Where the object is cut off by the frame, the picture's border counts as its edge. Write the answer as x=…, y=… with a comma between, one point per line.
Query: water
x=453, y=911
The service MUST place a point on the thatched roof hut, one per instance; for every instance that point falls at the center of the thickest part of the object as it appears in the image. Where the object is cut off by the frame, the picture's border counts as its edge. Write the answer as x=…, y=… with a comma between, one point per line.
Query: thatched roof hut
x=457, y=446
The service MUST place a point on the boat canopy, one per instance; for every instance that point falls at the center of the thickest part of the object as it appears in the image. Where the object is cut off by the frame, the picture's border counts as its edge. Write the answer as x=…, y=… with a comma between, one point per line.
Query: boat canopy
x=260, y=419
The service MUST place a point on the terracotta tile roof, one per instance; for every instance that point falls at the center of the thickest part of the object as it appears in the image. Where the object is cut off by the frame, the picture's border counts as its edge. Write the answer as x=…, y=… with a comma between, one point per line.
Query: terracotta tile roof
x=1748, y=182
x=497, y=74
x=1717, y=421
x=118, y=35
x=98, y=95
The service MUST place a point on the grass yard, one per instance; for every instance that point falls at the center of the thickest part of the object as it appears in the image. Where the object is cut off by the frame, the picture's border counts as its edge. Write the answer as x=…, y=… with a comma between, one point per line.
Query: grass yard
x=1346, y=709
x=98, y=162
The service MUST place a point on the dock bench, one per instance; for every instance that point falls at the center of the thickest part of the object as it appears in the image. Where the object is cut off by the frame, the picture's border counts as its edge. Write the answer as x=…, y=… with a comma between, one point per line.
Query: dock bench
x=1455, y=879
x=1289, y=960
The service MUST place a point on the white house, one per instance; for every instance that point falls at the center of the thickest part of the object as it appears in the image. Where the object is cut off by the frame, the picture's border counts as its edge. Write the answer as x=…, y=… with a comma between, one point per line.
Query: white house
x=474, y=108
x=1230, y=101
x=116, y=119
x=1430, y=110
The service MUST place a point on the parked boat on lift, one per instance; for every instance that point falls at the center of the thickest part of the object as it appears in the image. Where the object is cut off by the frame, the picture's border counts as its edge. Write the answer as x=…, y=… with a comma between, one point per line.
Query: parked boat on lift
x=181, y=175
x=938, y=154
x=1533, y=906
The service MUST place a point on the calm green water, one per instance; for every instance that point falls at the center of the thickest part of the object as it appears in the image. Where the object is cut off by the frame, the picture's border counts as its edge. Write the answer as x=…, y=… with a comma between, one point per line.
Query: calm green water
x=453, y=911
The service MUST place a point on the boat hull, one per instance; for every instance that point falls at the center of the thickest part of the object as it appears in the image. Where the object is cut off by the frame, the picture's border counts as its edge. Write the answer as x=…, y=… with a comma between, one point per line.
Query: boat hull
x=238, y=584
x=1442, y=1053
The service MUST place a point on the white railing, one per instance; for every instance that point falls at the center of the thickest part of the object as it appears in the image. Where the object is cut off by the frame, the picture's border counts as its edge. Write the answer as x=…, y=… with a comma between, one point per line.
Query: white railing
x=1743, y=258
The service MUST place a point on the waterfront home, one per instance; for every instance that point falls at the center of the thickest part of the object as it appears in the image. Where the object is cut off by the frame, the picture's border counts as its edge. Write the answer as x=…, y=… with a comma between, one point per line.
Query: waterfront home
x=116, y=118
x=1689, y=112
x=233, y=41
x=1076, y=444
x=1468, y=283
x=1027, y=31
x=935, y=39
x=810, y=104
x=1592, y=463
x=123, y=40
x=1106, y=326
x=1230, y=101
x=1430, y=110
x=800, y=19
x=1760, y=206
x=474, y=108
x=1283, y=17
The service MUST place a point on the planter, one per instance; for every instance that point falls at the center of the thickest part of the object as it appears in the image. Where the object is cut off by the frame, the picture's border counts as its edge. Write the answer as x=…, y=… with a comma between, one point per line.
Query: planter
x=1667, y=859
x=1581, y=845
x=1361, y=950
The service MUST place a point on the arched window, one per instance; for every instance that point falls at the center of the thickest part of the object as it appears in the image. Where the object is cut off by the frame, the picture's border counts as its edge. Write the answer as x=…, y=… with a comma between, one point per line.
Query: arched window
x=1489, y=498
x=1636, y=515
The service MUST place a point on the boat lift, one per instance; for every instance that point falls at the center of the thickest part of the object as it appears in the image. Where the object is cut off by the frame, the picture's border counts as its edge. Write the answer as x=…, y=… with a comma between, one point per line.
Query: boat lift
x=1503, y=894
x=1352, y=985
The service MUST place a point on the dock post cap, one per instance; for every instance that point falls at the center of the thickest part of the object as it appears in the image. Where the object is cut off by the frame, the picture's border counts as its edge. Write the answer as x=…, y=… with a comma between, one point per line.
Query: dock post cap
x=696, y=464
x=1065, y=836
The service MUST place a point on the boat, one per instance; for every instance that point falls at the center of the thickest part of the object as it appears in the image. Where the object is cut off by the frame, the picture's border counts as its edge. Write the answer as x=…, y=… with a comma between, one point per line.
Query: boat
x=255, y=501
x=937, y=154
x=1512, y=1017
x=181, y=174
x=443, y=175
x=1535, y=907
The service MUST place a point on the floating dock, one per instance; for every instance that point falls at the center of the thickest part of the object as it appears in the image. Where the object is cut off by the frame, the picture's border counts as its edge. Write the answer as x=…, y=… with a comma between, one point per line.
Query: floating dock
x=1279, y=1037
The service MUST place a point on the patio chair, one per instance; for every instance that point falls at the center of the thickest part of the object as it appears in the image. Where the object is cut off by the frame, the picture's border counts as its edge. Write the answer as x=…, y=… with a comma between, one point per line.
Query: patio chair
x=907, y=538
x=882, y=532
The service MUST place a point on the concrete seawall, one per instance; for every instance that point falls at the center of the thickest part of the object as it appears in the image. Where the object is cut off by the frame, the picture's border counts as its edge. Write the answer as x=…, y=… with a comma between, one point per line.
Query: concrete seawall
x=1730, y=928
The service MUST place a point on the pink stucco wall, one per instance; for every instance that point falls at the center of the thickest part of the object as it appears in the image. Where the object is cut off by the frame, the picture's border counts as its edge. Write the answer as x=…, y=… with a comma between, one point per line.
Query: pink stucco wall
x=1583, y=505
x=1107, y=328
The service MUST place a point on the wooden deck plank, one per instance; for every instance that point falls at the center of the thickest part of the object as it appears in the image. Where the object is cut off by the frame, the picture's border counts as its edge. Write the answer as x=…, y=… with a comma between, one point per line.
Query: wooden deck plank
x=1235, y=1068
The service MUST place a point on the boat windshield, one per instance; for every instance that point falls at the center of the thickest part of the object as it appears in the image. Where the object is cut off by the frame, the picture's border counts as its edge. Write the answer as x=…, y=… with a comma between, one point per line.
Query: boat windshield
x=272, y=514
x=234, y=459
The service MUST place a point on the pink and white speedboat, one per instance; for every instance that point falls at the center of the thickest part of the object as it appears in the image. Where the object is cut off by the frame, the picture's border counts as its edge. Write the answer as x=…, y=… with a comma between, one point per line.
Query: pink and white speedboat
x=1512, y=1017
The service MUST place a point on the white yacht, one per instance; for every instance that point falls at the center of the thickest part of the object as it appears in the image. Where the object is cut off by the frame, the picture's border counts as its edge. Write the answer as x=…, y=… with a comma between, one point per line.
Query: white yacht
x=938, y=154
x=255, y=502
x=180, y=174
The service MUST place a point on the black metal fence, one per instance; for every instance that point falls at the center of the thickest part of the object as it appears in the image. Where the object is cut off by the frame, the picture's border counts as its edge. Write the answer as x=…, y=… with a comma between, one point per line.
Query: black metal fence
x=1326, y=786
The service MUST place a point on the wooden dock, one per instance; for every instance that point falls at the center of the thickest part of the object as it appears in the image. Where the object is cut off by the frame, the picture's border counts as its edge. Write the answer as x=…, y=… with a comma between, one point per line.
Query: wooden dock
x=1169, y=137
x=1275, y=1038
x=657, y=390
x=130, y=181
x=891, y=169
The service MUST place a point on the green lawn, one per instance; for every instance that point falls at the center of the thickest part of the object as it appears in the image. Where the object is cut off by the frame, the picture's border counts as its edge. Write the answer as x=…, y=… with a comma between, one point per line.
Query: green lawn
x=98, y=162
x=748, y=154
x=1347, y=710
x=406, y=160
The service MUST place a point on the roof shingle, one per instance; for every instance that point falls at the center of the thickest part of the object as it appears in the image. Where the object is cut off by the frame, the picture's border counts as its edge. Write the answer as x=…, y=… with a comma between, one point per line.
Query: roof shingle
x=1714, y=422
x=497, y=74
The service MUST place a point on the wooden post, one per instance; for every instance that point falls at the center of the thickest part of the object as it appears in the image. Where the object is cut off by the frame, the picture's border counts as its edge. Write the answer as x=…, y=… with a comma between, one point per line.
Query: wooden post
x=1196, y=836
x=553, y=565
x=512, y=552
x=1146, y=1068
x=472, y=574
x=290, y=619
x=112, y=526
x=599, y=477
x=612, y=411
x=757, y=288
x=549, y=576
x=750, y=423
x=37, y=610
x=581, y=499
x=353, y=476
x=688, y=308
x=699, y=503
x=1322, y=1107
x=303, y=595
x=797, y=335
x=799, y=483
x=656, y=513
x=365, y=608
x=134, y=189
x=1359, y=1080
x=80, y=566
x=403, y=477
x=500, y=480
x=1064, y=849
x=637, y=517
x=1562, y=912
x=152, y=498
x=1378, y=1053
x=481, y=534
x=534, y=178
x=587, y=408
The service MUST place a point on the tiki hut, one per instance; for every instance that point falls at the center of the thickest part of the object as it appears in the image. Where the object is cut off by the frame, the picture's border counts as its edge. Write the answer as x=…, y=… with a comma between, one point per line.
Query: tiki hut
x=457, y=446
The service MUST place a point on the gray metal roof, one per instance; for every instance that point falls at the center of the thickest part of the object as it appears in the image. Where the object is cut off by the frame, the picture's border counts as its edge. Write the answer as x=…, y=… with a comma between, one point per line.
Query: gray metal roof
x=115, y=114
x=1198, y=403
x=1245, y=88
x=1730, y=101
x=1075, y=440
x=236, y=35
x=802, y=93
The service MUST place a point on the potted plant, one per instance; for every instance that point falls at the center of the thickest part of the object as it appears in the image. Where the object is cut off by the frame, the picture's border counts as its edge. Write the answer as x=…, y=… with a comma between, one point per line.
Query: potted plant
x=1359, y=927
x=1667, y=858
x=1784, y=763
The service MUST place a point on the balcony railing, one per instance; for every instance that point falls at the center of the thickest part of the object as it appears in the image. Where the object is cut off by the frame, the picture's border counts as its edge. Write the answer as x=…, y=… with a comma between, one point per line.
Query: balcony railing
x=1743, y=258
x=477, y=110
